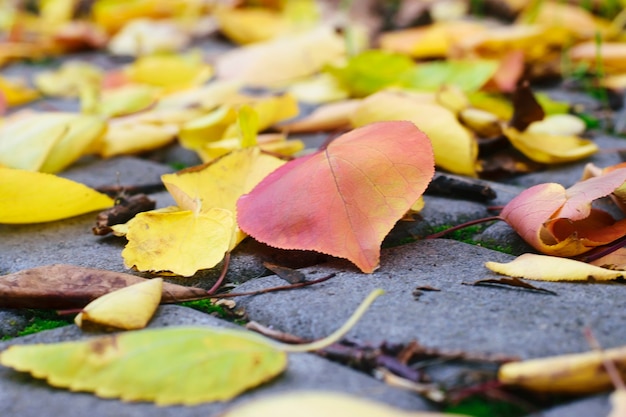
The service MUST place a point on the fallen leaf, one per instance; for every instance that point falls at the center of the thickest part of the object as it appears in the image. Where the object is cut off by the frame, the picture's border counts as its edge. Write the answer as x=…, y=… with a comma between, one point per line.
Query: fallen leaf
x=618, y=403
x=112, y=15
x=578, y=373
x=70, y=286
x=332, y=116
x=16, y=92
x=170, y=72
x=251, y=24
x=181, y=242
x=47, y=142
x=468, y=75
x=34, y=197
x=281, y=60
x=129, y=308
x=357, y=188
x=126, y=136
x=561, y=222
x=321, y=88
x=320, y=403
x=526, y=108
x=145, y=36
x=125, y=209
x=550, y=148
x=195, y=364
x=127, y=99
x=69, y=79
x=371, y=71
x=455, y=148
x=552, y=268
x=292, y=276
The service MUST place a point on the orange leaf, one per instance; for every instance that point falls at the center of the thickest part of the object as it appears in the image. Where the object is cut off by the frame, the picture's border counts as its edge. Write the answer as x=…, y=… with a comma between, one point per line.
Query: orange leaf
x=342, y=201
x=562, y=222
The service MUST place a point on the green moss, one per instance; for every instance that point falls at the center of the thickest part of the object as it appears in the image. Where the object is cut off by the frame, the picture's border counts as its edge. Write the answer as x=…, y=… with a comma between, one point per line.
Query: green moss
x=41, y=320
x=482, y=407
x=206, y=306
x=467, y=234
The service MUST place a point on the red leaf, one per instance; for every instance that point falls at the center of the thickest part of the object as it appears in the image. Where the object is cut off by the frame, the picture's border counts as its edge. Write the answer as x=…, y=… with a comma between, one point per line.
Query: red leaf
x=344, y=200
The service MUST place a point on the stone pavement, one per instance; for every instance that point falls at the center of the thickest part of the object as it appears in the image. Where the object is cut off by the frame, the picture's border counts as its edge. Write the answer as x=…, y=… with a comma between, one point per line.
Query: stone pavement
x=479, y=320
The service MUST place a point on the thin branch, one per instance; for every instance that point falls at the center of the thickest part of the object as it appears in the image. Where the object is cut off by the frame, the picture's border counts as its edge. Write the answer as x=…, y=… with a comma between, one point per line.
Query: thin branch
x=275, y=289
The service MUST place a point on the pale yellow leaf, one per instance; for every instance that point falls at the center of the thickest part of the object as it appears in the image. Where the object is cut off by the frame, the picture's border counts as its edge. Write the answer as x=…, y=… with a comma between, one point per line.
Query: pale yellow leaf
x=128, y=308
x=281, y=60
x=144, y=36
x=322, y=403
x=47, y=142
x=455, y=148
x=33, y=197
x=251, y=25
x=127, y=99
x=332, y=116
x=130, y=136
x=69, y=79
x=552, y=268
x=577, y=373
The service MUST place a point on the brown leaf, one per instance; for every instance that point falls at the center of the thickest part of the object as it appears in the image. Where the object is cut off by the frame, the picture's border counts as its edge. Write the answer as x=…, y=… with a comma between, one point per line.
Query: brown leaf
x=526, y=108
x=68, y=286
x=511, y=282
x=125, y=209
x=292, y=276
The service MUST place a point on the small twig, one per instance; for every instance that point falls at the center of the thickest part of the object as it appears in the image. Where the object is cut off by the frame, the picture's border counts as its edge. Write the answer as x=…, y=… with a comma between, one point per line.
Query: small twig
x=275, y=334
x=115, y=190
x=463, y=226
x=219, y=281
x=602, y=251
x=275, y=289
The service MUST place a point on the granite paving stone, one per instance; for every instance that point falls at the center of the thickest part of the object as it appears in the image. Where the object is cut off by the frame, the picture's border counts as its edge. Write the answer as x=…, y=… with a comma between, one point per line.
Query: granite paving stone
x=471, y=318
x=24, y=396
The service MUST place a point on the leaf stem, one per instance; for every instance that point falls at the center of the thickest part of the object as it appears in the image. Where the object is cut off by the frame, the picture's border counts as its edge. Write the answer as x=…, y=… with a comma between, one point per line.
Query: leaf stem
x=463, y=225
x=220, y=279
x=337, y=334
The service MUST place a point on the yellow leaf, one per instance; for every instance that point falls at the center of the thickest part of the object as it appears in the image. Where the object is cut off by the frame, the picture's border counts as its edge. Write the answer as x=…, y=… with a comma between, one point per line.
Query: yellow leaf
x=247, y=125
x=550, y=149
x=455, y=148
x=207, y=128
x=321, y=88
x=16, y=93
x=281, y=60
x=171, y=72
x=112, y=15
x=321, y=403
x=132, y=136
x=47, y=142
x=250, y=25
x=577, y=373
x=274, y=143
x=32, y=197
x=222, y=183
x=172, y=365
x=181, y=242
x=207, y=97
x=126, y=100
x=128, y=308
x=69, y=79
x=552, y=268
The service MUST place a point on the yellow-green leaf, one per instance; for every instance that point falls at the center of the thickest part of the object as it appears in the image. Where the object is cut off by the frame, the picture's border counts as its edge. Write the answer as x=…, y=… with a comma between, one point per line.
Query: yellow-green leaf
x=248, y=126
x=33, y=197
x=550, y=149
x=128, y=308
x=552, y=268
x=179, y=365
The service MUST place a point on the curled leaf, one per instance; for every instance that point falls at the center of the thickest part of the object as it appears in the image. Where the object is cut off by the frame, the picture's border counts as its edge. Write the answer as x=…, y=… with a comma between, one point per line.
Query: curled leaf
x=562, y=222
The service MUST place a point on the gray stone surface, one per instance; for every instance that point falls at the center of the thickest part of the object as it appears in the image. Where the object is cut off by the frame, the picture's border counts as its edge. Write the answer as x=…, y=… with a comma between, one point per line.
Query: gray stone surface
x=471, y=318
x=11, y=322
x=24, y=396
x=596, y=406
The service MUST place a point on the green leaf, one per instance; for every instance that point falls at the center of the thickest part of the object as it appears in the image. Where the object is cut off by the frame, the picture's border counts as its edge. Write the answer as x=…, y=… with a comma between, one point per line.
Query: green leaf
x=371, y=71
x=178, y=365
x=468, y=75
